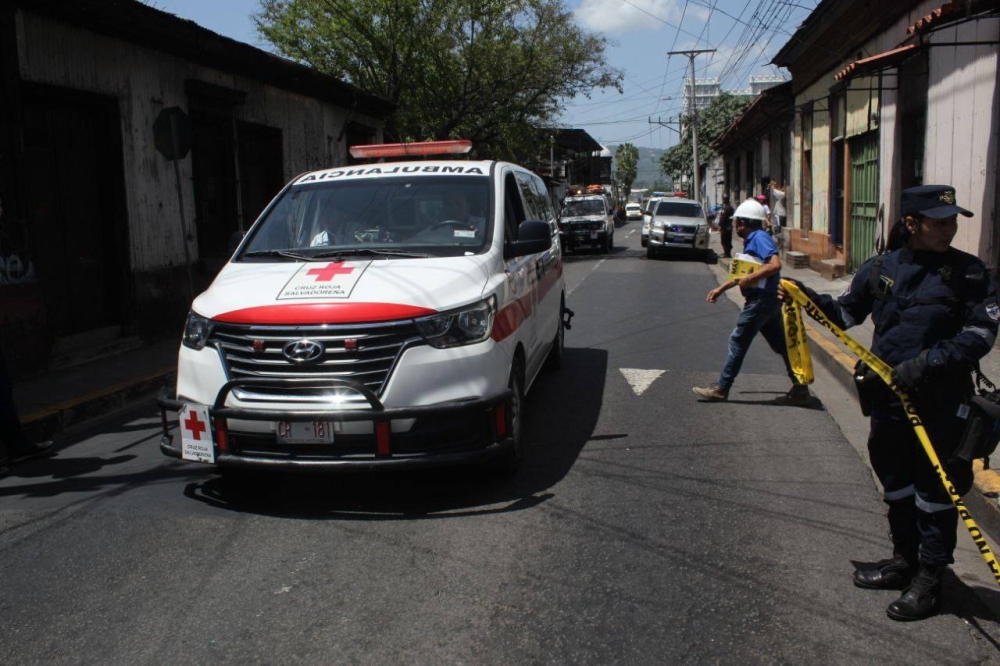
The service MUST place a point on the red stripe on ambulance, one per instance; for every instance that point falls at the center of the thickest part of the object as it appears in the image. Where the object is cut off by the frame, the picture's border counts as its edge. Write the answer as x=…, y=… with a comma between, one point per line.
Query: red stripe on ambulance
x=513, y=315
x=322, y=313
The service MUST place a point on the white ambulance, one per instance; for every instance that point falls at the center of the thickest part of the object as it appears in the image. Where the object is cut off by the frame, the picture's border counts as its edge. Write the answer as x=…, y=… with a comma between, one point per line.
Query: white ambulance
x=376, y=316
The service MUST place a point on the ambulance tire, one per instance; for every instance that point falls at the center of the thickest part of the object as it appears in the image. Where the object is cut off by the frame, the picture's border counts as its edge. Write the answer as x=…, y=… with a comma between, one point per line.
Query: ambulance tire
x=606, y=245
x=509, y=462
x=650, y=252
x=554, y=360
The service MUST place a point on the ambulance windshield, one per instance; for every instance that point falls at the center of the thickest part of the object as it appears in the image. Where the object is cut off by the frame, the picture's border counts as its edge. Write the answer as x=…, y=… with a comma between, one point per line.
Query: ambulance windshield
x=582, y=207
x=425, y=215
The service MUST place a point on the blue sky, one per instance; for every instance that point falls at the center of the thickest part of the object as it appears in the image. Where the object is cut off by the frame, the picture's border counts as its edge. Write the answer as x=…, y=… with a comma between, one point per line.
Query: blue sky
x=745, y=33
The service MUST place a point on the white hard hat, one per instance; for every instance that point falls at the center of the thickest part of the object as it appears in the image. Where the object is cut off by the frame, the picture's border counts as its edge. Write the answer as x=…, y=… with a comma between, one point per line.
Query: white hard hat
x=750, y=210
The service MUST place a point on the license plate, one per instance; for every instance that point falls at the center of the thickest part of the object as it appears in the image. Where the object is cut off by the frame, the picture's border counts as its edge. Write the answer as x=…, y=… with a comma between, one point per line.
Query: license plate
x=593, y=234
x=304, y=432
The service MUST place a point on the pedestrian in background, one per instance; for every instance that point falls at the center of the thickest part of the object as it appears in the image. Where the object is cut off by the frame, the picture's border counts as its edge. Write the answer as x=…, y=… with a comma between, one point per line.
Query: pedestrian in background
x=935, y=313
x=726, y=227
x=777, y=212
x=762, y=200
x=761, y=311
x=14, y=446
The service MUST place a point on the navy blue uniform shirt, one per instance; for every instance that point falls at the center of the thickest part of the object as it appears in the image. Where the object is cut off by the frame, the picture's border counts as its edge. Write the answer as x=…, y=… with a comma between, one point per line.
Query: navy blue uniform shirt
x=945, y=302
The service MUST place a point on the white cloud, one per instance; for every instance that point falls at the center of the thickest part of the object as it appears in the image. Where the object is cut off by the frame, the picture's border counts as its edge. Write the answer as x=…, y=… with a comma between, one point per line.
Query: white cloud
x=618, y=16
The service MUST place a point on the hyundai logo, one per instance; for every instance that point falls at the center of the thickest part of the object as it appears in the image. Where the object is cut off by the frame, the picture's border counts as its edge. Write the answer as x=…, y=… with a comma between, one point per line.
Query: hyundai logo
x=303, y=351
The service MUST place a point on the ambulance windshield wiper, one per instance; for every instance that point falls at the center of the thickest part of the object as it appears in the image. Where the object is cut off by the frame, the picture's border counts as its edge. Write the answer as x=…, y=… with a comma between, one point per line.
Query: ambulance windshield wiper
x=367, y=252
x=287, y=254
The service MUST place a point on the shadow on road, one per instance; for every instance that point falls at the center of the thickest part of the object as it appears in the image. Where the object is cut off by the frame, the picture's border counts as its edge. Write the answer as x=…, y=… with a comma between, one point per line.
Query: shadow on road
x=557, y=429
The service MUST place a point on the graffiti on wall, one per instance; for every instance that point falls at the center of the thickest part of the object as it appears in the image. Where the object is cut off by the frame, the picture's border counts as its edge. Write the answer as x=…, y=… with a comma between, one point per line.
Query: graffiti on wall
x=16, y=265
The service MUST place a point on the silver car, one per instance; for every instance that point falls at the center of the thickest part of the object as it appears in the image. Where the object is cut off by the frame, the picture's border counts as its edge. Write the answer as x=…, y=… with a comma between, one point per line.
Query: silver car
x=677, y=224
x=647, y=216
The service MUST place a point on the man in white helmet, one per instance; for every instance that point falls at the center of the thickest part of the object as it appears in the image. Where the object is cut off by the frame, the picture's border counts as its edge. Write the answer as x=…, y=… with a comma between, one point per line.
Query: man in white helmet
x=762, y=310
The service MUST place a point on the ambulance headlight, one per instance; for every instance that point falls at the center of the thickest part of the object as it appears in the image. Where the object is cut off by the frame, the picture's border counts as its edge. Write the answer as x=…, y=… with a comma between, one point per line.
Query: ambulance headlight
x=461, y=327
x=196, y=331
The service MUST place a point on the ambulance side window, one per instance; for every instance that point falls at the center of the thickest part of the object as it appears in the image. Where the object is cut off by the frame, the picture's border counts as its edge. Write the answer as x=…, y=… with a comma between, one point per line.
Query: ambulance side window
x=534, y=202
x=545, y=201
x=513, y=208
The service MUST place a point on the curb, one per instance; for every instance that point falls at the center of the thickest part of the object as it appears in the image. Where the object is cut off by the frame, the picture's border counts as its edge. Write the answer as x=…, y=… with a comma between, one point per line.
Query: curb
x=982, y=499
x=44, y=423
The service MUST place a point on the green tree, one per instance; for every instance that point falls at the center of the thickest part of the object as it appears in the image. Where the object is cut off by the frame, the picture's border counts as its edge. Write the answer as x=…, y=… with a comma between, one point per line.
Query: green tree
x=712, y=122
x=486, y=70
x=626, y=167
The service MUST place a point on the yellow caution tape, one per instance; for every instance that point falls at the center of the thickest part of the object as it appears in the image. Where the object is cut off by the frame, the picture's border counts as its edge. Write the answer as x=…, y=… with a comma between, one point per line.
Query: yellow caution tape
x=791, y=310
x=798, y=345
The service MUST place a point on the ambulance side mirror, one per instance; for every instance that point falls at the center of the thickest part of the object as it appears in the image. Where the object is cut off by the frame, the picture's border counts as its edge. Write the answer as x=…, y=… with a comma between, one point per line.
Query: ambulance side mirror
x=533, y=236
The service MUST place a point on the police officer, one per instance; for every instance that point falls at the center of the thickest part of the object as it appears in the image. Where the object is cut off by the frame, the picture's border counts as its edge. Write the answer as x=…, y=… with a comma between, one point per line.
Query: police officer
x=935, y=314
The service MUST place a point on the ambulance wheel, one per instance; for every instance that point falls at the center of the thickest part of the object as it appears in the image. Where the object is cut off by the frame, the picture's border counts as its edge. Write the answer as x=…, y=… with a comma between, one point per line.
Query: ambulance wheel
x=510, y=461
x=606, y=245
x=650, y=252
x=555, y=358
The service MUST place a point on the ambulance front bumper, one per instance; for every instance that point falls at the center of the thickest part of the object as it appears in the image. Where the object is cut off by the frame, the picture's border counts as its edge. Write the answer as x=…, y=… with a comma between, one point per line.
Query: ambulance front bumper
x=467, y=431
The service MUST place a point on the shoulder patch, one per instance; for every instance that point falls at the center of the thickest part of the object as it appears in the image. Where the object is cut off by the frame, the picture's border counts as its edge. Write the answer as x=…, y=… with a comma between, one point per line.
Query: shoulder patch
x=992, y=309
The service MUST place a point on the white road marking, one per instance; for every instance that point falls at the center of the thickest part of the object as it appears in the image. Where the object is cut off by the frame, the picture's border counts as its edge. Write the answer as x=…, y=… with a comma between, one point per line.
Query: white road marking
x=629, y=234
x=640, y=380
x=596, y=266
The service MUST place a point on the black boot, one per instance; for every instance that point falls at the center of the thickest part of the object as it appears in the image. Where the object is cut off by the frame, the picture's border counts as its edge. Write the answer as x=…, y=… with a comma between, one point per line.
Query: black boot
x=891, y=574
x=922, y=598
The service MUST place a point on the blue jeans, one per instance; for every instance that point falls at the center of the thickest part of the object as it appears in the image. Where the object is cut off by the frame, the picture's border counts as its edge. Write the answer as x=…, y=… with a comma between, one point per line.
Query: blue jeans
x=761, y=314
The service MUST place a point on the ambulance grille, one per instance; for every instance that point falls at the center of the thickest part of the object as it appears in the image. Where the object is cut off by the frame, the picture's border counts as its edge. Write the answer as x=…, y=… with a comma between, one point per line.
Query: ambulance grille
x=362, y=353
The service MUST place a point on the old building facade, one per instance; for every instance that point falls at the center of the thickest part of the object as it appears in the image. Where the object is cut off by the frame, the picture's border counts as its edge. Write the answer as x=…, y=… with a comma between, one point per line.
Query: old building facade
x=102, y=239
x=888, y=95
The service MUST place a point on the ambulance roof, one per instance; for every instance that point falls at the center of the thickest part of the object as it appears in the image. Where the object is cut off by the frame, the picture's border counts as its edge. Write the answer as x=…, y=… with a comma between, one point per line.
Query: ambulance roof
x=412, y=169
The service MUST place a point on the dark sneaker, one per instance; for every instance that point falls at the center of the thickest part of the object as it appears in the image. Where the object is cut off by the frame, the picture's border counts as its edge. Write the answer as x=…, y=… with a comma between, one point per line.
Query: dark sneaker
x=922, y=599
x=713, y=393
x=798, y=395
x=892, y=574
x=31, y=450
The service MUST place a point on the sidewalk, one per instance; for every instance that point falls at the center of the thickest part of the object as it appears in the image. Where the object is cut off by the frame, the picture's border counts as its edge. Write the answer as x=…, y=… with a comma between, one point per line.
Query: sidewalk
x=53, y=401
x=834, y=357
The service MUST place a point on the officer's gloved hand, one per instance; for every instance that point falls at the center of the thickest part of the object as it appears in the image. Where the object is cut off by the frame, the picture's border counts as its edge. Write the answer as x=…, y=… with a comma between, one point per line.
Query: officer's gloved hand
x=810, y=293
x=912, y=373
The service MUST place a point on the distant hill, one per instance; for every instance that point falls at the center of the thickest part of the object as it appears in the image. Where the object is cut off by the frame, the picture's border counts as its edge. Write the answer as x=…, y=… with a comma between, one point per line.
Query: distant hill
x=649, y=166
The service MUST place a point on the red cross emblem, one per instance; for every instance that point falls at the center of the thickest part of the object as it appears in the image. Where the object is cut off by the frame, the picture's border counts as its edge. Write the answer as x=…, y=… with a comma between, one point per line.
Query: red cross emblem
x=195, y=425
x=328, y=272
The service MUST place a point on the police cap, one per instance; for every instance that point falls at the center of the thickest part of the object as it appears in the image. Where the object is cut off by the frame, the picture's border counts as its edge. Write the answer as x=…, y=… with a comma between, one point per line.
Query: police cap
x=933, y=201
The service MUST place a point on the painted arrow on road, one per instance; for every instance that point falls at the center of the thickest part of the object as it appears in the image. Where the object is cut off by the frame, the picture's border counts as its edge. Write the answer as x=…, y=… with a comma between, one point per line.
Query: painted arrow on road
x=640, y=380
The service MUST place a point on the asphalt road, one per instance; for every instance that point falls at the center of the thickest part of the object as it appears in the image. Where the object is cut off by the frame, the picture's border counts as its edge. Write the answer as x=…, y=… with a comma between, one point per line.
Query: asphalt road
x=644, y=527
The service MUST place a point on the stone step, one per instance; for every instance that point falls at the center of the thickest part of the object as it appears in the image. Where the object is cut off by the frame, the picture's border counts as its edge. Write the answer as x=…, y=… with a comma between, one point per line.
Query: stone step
x=832, y=269
x=797, y=259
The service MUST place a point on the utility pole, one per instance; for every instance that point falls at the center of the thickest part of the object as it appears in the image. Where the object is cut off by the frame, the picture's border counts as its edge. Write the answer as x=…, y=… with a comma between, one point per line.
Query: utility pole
x=666, y=123
x=696, y=194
